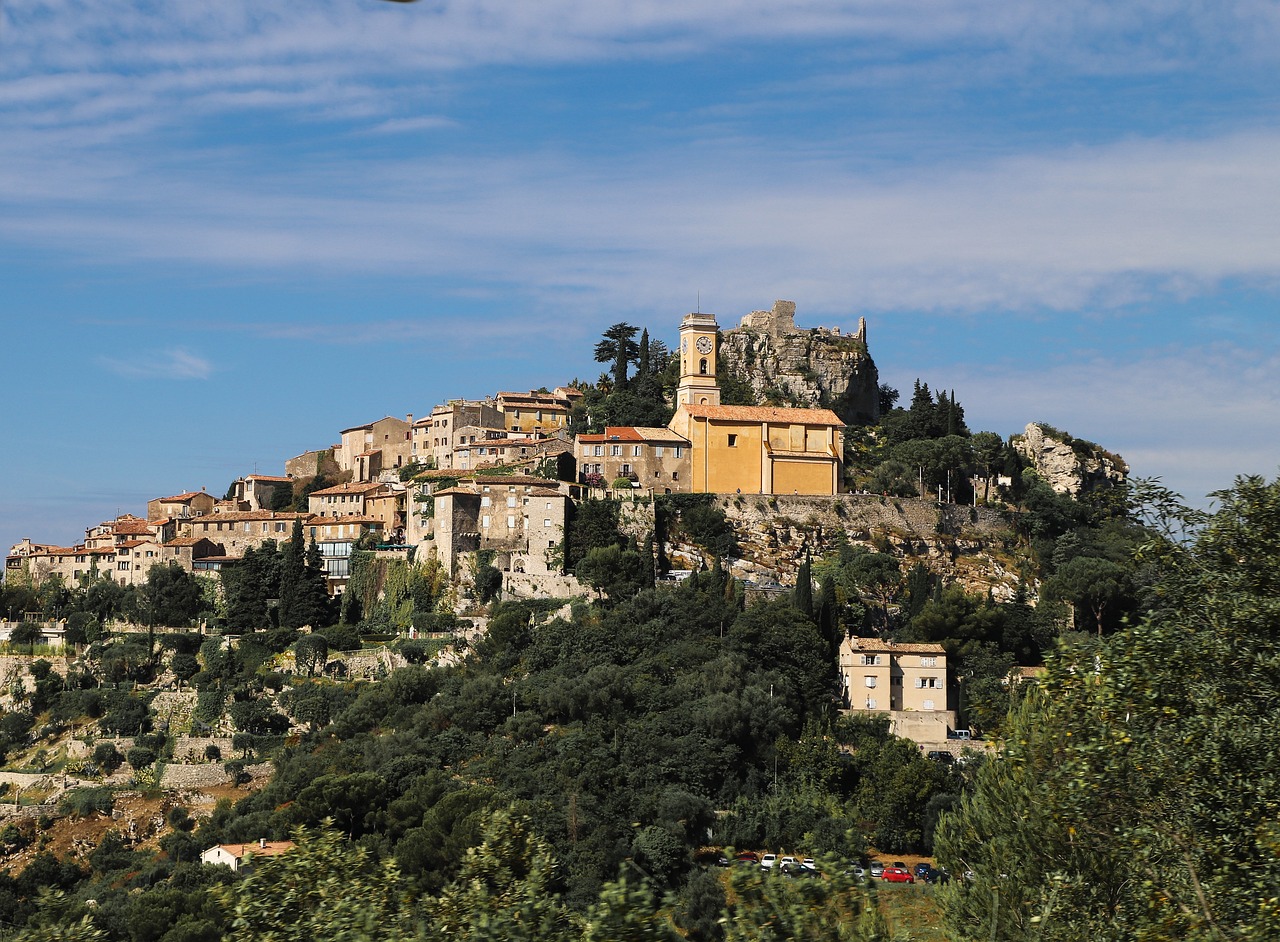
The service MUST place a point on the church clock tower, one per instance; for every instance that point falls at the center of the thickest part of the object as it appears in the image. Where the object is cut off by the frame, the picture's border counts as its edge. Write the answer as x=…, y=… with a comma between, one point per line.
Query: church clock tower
x=698, y=361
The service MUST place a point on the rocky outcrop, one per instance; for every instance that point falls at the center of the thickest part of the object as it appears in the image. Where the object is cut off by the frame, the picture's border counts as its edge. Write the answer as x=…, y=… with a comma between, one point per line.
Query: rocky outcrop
x=818, y=367
x=976, y=547
x=1070, y=465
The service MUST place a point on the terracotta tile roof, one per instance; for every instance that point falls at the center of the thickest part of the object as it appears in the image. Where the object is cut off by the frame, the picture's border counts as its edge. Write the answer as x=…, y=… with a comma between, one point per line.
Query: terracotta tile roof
x=351, y=487
x=764, y=414
x=250, y=515
x=880, y=646
x=257, y=849
x=182, y=498
x=130, y=544
x=456, y=492
x=135, y=526
x=266, y=477
x=186, y=541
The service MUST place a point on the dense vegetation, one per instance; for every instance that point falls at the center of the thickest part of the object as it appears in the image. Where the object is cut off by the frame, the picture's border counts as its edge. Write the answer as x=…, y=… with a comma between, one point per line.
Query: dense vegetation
x=576, y=772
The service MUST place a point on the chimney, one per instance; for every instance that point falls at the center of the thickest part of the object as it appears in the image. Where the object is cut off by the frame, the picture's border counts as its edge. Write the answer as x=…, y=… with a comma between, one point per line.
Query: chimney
x=409, y=418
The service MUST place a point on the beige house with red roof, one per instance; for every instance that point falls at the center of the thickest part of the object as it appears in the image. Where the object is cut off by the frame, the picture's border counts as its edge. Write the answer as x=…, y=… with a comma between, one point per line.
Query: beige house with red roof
x=906, y=681
x=239, y=530
x=346, y=500
x=749, y=449
x=657, y=459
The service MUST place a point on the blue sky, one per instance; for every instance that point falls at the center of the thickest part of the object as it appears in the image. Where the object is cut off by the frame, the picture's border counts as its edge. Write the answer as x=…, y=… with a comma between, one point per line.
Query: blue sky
x=228, y=231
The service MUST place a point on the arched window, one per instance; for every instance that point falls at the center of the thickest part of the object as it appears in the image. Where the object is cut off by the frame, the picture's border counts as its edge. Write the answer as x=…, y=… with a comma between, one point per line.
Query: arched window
x=702, y=366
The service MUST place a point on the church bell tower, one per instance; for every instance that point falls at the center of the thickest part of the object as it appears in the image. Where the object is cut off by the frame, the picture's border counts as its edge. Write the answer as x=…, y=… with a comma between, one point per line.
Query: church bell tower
x=698, y=361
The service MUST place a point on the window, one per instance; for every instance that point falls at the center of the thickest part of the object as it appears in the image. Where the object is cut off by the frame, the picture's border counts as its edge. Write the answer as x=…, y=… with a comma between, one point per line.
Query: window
x=657, y=451
x=870, y=680
x=635, y=451
x=484, y=521
x=484, y=501
x=928, y=661
x=511, y=523
x=871, y=660
x=928, y=705
x=615, y=451
x=871, y=703
x=675, y=475
x=679, y=451
x=511, y=501
x=930, y=682
x=597, y=451
x=546, y=522
x=702, y=366
x=733, y=441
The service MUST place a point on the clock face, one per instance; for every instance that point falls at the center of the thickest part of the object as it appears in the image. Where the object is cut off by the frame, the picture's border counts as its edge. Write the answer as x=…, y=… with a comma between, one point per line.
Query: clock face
x=703, y=344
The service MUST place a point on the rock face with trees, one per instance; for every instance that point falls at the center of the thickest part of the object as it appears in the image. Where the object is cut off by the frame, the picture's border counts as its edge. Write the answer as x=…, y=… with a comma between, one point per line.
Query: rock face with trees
x=786, y=365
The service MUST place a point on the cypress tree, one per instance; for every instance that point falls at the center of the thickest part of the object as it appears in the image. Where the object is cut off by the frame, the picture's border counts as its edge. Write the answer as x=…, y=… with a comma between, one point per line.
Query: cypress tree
x=802, y=598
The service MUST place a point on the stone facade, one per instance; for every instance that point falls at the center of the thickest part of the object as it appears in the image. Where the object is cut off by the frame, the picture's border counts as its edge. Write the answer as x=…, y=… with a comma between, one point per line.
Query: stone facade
x=366, y=450
x=436, y=436
x=520, y=519
x=656, y=459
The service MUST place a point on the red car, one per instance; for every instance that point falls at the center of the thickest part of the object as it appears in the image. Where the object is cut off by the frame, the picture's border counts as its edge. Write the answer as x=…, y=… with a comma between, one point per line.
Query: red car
x=898, y=875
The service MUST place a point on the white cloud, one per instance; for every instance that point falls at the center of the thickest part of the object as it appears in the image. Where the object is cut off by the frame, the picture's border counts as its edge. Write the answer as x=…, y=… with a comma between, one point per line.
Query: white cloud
x=1104, y=225
x=175, y=363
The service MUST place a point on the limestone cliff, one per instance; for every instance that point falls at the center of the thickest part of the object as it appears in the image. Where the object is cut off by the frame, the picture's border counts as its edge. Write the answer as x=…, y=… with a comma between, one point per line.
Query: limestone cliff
x=814, y=367
x=1070, y=465
x=976, y=547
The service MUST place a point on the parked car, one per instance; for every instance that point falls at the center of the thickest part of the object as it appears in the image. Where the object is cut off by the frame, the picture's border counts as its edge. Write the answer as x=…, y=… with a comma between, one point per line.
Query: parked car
x=787, y=863
x=858, y=871
x=923, y=870
x=767, y=861
x=939, y=755
x=877, y=869
x=898, y=875
x=938, y=876
x=809, y=864
x=747, y=857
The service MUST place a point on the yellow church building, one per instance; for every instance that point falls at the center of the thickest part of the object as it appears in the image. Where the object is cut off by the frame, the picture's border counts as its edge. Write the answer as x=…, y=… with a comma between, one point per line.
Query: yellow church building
x=749, y=449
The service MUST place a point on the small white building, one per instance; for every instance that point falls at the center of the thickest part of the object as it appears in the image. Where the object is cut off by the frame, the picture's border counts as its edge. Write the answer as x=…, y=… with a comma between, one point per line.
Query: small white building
x=236, y=856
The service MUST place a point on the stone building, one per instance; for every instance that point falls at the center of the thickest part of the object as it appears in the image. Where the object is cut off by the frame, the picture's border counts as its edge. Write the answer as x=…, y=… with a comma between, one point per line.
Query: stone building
x=534, y=411
x=654, y=458
x=367, y=450
x=749, y=449
x=436, y=436
x=906, y=681
x=520, y=519
x=256, y=491
x=181, y=506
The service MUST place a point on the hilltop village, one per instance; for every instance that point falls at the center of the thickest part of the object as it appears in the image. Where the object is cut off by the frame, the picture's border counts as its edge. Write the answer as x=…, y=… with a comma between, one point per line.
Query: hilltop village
x=688, y=652
x=495, y=483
